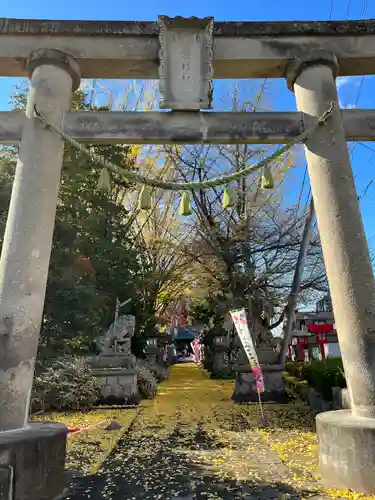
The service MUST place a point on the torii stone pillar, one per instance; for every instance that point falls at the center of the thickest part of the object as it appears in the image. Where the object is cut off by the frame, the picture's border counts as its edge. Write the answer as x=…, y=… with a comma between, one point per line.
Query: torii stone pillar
x=347, y=438
x=34, y=450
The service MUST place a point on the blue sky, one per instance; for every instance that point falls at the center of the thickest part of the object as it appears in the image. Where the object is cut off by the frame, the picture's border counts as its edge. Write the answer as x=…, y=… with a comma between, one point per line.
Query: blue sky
x=351, y=90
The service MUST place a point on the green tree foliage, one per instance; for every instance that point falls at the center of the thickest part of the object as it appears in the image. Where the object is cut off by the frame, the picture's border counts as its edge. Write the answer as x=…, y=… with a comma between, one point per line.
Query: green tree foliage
x=93, y=258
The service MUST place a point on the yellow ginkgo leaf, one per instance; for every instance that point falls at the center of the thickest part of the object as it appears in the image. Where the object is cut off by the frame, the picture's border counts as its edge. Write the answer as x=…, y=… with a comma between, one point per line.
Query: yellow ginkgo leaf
x=135, y=150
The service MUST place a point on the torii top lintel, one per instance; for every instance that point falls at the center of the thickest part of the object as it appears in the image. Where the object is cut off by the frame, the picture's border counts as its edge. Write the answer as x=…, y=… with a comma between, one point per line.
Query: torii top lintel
x=130, y=49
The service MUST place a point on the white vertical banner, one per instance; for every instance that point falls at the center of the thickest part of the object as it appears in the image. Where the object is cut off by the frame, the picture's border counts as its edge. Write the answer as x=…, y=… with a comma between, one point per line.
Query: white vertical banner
x=240, y=323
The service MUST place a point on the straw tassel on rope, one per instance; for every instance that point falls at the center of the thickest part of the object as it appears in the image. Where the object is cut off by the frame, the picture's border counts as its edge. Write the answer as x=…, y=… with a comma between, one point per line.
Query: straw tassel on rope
x=145, y=199
x=229, y=198
x=185, y=204
x=104, y=181
x=267, y=178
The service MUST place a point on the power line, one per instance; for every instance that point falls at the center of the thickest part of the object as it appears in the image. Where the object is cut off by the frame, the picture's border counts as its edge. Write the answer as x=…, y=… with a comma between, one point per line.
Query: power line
x=359, y=90
x=302, y=187
x=364, y=192
x=364, y=9
x=347, y=12
x=366, y=146
x=330, y=10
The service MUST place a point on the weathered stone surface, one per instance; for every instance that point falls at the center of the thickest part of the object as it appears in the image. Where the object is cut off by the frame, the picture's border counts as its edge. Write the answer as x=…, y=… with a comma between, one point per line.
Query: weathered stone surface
x=37, y=455
x=316, y=402
x=117, y=386
x=242, y=49
x=113, y=360
x=185, y=63
x=188, y=127
x=6, y=482
x=117, y=339
x=55, y=58
x=340, y=399
x=27, y=240
x=312, y=57
x=245, y=389
x=161, y=128
x=150, y=28
x=267, y=356
x=345, y=250
x=155, y=352
x=346, y=451
x=221, y=367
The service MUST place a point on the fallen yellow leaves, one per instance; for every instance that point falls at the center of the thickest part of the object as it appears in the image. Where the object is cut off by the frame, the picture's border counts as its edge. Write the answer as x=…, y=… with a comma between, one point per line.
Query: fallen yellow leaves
x=192, y=440
x=87, y=450
x=290, y=434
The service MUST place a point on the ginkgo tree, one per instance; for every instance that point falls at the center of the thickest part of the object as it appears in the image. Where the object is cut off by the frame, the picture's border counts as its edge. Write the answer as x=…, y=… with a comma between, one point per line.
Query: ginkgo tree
x=156, y=233
x=243, y=235
x=162, y=236
x=246, y=237
x=240, y=242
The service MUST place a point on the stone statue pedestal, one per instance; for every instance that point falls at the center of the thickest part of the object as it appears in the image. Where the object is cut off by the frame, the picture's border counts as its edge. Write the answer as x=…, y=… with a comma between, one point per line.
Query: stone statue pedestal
x=267, y=356
x=118, y=386
x=114, y=368
x=245, y=390
x=113, y=360
x=32, y=462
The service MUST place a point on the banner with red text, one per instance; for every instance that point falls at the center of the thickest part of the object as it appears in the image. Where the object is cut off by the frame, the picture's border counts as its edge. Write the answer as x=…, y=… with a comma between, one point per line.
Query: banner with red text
x=240, y=323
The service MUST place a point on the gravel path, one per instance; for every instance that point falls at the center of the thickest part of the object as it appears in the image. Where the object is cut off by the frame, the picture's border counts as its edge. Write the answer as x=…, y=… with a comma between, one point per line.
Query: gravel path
x=190, y=442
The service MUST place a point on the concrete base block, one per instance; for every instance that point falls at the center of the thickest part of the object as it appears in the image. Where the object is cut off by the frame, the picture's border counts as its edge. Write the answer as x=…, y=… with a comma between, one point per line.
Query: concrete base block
x=245, y=390
x=346, y=451
x=32, y=461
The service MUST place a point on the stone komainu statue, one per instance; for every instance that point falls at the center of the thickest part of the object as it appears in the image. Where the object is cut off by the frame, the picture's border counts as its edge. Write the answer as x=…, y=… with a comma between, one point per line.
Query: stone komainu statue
x=118, y=336
x=259, y=312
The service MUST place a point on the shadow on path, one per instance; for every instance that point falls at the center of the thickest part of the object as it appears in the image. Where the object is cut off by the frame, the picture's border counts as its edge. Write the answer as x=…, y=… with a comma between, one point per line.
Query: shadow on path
x=179, y=465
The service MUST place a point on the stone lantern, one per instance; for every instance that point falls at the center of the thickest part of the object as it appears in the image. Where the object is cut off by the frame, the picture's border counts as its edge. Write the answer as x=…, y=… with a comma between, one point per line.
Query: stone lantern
x=220, y=368
x=154, y=351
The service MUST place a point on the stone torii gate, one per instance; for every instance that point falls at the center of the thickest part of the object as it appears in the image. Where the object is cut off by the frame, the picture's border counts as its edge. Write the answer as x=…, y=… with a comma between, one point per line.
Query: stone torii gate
x=185, y=54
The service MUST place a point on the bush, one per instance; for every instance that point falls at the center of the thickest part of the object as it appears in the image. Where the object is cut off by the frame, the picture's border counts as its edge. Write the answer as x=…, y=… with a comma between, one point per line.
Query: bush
x=323, y=375
x=146, y=380
x=294, y=368
x=67, y=385
x=158, y=371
